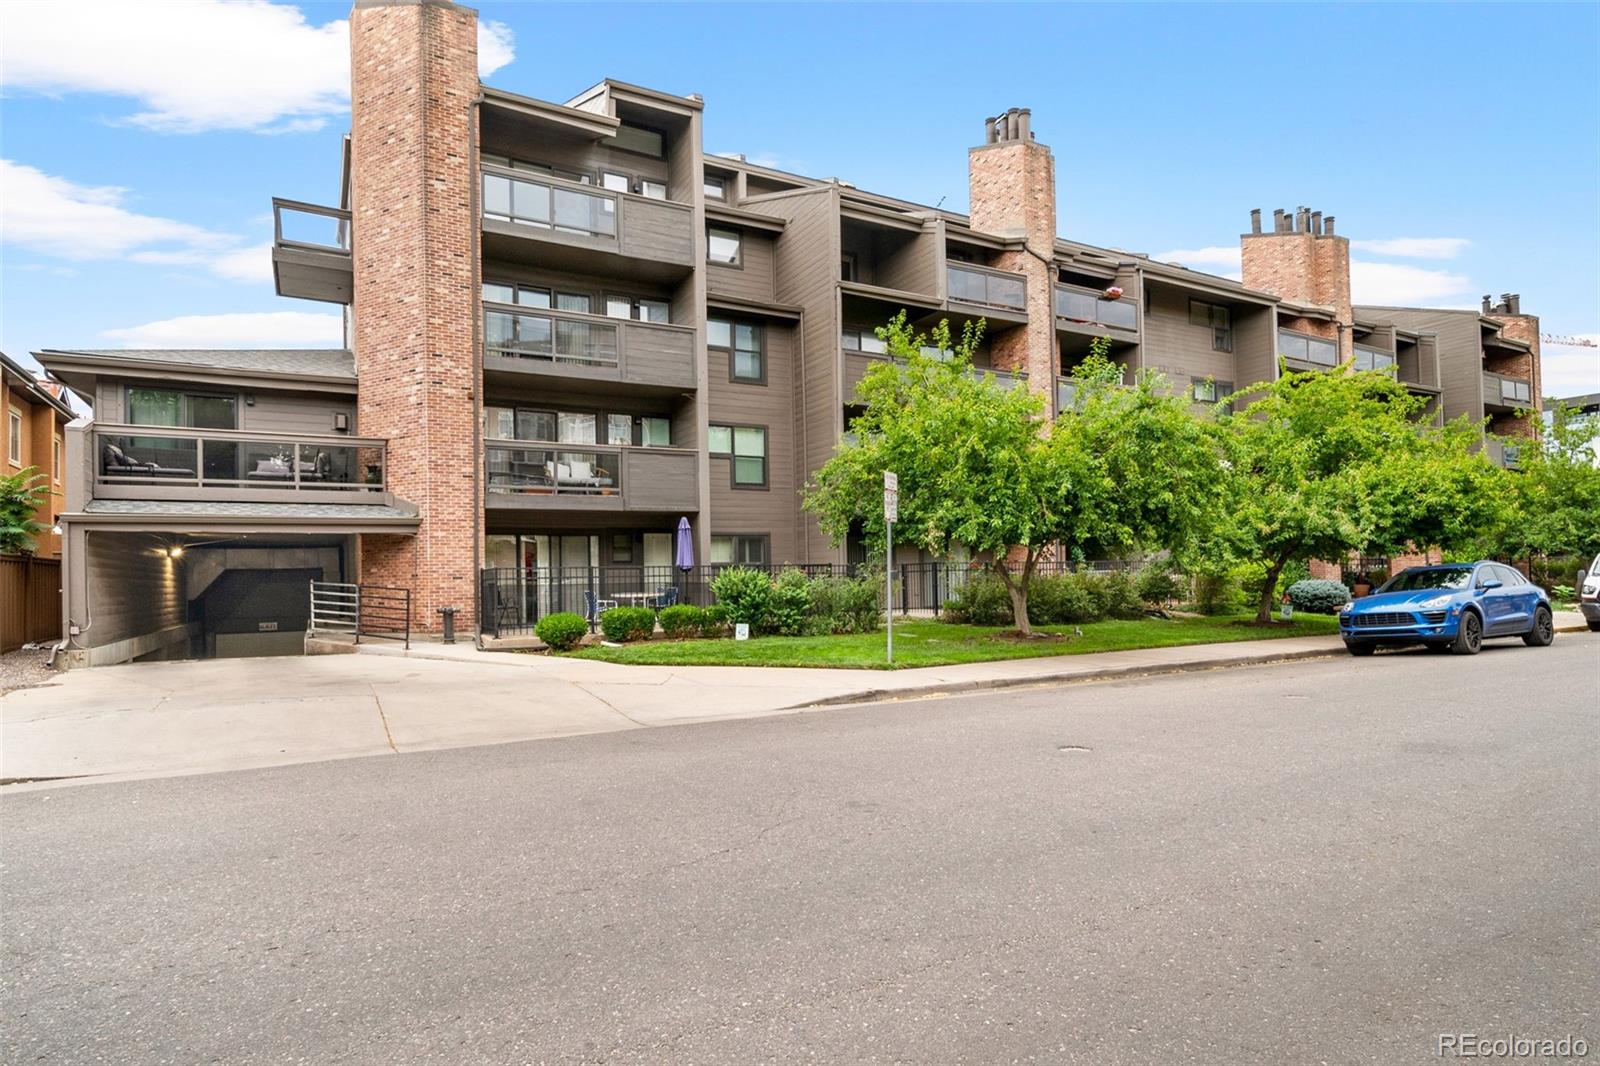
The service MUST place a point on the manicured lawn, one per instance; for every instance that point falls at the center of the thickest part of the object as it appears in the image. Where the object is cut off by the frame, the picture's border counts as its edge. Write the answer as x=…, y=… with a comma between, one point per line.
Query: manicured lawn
x=925, y=643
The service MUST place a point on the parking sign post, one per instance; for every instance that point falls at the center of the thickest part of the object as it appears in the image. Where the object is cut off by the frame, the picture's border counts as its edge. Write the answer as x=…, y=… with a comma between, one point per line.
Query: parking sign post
x=891, y=512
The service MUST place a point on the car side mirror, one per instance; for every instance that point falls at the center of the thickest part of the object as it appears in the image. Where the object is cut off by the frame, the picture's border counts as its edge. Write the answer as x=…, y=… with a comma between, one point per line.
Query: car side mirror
x=1490, y=584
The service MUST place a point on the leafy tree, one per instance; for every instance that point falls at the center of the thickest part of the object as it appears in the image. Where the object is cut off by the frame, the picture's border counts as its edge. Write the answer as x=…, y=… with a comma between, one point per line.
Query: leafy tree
x=1328, y=463
x=979, y=467
x=21, y=496
x=1554, y=494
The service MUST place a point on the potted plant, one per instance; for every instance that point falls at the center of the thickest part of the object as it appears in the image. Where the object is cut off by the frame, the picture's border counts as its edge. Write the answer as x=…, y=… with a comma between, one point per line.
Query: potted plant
x=1360, y=585
x=1113, y=292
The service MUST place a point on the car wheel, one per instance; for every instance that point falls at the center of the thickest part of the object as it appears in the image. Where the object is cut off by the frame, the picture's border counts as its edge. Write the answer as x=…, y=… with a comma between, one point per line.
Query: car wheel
x=1361, y=649
x=1469, y=637
x=1594, y=627
x=1543, y=631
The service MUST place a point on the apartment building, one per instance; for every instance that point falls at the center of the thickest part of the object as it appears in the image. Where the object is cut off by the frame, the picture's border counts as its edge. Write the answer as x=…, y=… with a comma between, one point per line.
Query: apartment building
x=37, y=413
x=570, y=328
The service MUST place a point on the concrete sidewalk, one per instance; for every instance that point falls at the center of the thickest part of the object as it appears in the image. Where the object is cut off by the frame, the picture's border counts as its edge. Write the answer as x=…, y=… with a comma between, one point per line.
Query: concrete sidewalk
x=159, y=719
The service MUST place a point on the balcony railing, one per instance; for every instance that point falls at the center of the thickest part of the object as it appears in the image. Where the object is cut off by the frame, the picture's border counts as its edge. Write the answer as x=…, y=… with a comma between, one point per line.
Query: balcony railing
x=550, y=337
x=547, y=205
x=579, y=216
x=856, y=363
x=1503, y=454
x=1087, y=306
x=592, y=476
x=162, y=462
x=987, y=287
x=1306, y=349
x=1373, y=359
x=311, y=251
x=569, y=344
x=1502, y=391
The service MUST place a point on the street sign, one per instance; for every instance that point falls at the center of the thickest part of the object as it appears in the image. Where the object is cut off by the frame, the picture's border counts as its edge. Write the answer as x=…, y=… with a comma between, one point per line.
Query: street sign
x=891, y=497
x=891, y=482
x=891, y=514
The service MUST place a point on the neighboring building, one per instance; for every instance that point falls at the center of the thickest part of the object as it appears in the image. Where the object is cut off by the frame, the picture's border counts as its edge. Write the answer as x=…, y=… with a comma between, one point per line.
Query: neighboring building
x=37, y=413
x=571, y=328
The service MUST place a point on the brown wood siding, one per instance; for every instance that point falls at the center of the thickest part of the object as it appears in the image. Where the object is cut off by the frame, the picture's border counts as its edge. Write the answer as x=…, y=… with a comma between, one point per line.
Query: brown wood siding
x=806, y=274
x=586, y=158
x=1459, y=354
x=273, y=411
x=754, y=279
x=1178, y=350
x=776, y=510
x=655, y=480
x=1255, y=346
x=134, y=589
x=655, y=230
x=914, y=268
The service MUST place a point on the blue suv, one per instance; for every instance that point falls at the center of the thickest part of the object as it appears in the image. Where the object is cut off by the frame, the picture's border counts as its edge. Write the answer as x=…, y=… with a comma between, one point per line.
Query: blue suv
x=1448, y=608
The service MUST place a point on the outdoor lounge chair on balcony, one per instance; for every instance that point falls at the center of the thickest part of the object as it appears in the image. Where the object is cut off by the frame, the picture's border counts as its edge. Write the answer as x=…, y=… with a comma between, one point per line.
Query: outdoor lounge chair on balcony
x=579, y=473
x=117, y=463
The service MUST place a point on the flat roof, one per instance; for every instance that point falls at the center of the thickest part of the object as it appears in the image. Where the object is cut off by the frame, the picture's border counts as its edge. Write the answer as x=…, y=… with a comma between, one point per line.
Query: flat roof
x=331, y=363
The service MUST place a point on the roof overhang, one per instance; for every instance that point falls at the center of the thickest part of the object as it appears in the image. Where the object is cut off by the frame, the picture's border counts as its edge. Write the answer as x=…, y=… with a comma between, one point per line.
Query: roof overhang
x=218, y=523
x=724, y=302
x=573, y=121
x=79, y=370
x=747, y=219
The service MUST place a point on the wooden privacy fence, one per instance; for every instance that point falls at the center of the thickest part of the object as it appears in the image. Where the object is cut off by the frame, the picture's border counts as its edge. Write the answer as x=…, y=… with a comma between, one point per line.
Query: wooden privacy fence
x=30, y=600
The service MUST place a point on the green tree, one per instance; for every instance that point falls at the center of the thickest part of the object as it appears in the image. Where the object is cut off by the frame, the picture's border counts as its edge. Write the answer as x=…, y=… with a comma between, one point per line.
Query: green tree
x=1554, y=494
x=1328, y=463
x=21, y=496
x=979, y=466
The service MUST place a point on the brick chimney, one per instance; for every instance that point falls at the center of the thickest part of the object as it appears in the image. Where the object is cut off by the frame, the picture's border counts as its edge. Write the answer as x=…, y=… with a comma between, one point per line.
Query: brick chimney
x=1303, y=260
x=1519, y=327
x=414, y=80
x=1012, y=182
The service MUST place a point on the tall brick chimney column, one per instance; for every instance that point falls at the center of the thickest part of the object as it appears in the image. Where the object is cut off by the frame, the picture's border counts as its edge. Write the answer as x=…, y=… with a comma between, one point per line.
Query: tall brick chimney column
x=1012, y=184
x=414, y=80
x=1303, y=260
x=1519, y=327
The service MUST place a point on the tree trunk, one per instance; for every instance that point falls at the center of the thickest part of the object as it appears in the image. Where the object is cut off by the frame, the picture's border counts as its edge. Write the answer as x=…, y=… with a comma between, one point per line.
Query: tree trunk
x=1264, y=608
x=1018, y=589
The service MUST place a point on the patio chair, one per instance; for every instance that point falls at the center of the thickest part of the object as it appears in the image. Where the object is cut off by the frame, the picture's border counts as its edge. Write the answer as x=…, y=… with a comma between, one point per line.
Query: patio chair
x=595, y=606
x=118, y=462
x=666, y=596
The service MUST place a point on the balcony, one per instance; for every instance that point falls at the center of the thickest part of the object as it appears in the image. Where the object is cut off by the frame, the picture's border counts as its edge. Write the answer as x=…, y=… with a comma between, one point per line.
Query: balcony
x=311, y=252
x=176, y=463
x=1502, y=454
x=528, y=475
x=1502, y=393
x=573, y=347
x=550, y=221
x=1086, y=311
x=857, y=362
x=1001, y=294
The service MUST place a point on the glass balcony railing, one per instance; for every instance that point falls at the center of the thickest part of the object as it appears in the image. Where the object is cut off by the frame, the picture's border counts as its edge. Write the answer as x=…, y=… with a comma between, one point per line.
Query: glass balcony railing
x=987, y=288
x=552, y=469
x=1307, y=349
x=548, y=205
x=228, y=459
x=1373, y=359
x=552, y=336
x=1085, y=305
x=310, y=226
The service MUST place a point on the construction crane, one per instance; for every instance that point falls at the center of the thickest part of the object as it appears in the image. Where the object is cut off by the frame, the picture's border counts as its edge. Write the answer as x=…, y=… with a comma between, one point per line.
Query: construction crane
x=1570, y=342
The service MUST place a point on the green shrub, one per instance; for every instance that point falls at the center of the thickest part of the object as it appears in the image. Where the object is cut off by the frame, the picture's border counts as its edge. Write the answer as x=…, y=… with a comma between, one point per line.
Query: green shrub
x=1157, y=583
x=715, y=621
x=745, y=594
x=621, y=624
x=1116, y=595
x=1318, y=597
x=844, y=604
x=980, y=601
x=682, y=620
x=562, y=630
x=1060, y=599
x=789, y=608
x=1293, y=572
x=1217, y=593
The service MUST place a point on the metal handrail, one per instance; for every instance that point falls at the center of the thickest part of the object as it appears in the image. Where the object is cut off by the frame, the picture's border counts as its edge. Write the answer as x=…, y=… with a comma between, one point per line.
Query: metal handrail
x=147, y=472
x=133, y=429
x=280, y=204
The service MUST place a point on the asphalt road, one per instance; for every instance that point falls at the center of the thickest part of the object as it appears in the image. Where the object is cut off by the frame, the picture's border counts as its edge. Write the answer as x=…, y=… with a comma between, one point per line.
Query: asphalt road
x=1331, y=861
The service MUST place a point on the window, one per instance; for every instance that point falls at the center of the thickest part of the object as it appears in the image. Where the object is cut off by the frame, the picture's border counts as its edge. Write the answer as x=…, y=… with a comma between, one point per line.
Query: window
x=638, y=308
x=744, y=342
x=1218, y=319
x=1307, y=349
x=532, y=203
x=641, y=140
x=847, y=267
x=747, y=447
x=168, y=407
x=716, y=188
x=655, y=432
x=1373, y=359
x=622, y=547
x=862, y=340
x=610, y=179
x=55, y=459
x=1512, y=389
x=14, y=436
x=504, y=292
x=619, y=429
x=652, y=190
x=724, y=246
x=739, y=549
x=573, y=301
x=1208, y=391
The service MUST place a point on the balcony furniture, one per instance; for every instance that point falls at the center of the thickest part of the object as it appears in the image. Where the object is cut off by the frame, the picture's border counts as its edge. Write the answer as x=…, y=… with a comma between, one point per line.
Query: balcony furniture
x=594, y=606
x=580, y=473
x=118, y=464
x=666, y=596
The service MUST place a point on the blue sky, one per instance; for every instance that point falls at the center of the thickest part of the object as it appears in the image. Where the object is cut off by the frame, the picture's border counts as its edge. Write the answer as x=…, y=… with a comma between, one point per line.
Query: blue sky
x=1459, y=146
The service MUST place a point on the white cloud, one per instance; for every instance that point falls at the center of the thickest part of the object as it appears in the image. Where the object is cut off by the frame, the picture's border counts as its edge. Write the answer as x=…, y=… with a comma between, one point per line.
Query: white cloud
x=1398, y=285
x=195, y=65
x=1415, y=247
x=1569, y=369
x=1224, y=256
x=71, y=221
x=267, y=329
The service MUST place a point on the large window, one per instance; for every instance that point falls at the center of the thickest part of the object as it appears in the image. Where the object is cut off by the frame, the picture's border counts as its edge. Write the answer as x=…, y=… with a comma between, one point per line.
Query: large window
x=639, y=308
x=1307, y=349
x=740, y=549
x=862, y=340
x=724, y=246
x=170, y=407
x=1215, y=318
x=1373, y=359
x=746, y=448
x=56, y=464
x=533, y=203
x=745, y=346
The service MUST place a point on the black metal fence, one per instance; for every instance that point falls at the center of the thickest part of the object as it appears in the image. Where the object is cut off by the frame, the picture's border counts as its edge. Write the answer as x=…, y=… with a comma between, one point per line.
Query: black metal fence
x=511, y=600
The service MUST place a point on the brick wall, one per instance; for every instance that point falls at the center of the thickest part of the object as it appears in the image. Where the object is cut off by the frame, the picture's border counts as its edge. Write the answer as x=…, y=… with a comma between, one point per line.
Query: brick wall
x=1523, y=365
x=1306, y=268
x=414, y=77
x=1013, y=191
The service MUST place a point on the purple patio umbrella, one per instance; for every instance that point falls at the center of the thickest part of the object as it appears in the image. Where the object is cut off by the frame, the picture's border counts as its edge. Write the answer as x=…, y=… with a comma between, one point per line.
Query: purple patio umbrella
x=685, y=556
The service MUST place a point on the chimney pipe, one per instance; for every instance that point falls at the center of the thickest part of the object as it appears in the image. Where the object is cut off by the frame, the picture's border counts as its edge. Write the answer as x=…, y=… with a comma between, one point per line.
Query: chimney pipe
x=1025, y=124
x=1011, y=123
x=989, y=136
x=1277, y=220
x=1486, y=307
x=1514, y=303
x=1505, y=301
x=1327, y=225
x=1316, y=223
x=1255, y=220
x=1302, y=220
